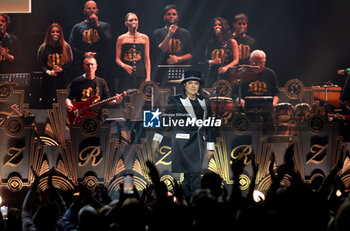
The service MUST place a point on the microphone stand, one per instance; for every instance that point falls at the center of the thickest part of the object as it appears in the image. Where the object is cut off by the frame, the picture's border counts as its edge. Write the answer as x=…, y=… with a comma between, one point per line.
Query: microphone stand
x=241, y=70
x=326, y=102
x=326, y=107
x=302, y=113
x=216, y=101
x=219, y=78
x=222, y=60
x=2, y=35
x=134, y=52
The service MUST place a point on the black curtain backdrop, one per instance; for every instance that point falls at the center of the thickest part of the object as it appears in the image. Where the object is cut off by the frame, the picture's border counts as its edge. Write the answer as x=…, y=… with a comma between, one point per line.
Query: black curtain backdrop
x=304, y=39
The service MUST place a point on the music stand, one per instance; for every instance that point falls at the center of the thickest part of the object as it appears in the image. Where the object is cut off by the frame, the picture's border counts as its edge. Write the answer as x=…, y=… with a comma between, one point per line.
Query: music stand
x=259, y=105
x=174, y=74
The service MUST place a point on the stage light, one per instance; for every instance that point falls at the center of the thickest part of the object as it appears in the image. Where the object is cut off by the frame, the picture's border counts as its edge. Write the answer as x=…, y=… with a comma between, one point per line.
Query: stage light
x=338, y=193
x=258, y=196
x=4, y=210
x=76, y=194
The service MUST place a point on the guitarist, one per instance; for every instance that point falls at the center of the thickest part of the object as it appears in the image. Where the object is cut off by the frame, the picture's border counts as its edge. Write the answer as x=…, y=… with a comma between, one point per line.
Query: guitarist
x=89, y=86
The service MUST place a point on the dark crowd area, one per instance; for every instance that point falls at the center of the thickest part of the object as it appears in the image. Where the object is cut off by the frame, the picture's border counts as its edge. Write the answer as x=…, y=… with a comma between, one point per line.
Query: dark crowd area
x=288, y=204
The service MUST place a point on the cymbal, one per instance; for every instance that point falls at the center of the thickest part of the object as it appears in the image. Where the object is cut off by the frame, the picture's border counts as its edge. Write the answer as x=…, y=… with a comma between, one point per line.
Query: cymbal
x=244, y=67
x=242, y=77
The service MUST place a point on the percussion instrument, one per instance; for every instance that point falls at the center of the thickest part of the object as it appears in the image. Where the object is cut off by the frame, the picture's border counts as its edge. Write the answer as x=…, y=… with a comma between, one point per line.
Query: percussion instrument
x=328, y=93
x=221, y=105
x=283, y=113
x=302, y=112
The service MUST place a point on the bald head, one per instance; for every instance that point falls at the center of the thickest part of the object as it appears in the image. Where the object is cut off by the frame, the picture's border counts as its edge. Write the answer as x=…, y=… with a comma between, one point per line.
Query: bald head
x=89, y=3
x=90, y=7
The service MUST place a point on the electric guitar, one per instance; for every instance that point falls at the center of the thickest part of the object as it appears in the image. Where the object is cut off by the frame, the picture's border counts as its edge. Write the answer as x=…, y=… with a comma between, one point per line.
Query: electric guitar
x=81, y=110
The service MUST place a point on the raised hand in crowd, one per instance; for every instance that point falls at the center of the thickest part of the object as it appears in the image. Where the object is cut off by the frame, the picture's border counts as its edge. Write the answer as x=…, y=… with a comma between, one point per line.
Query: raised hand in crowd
x=159, y=186
x=48, y=215
x=101, y=194
x=330, y=180
x=237, y=166
x=82, y=214
x=179, y=196
x=255, y=168
x=123, y=195
x=36, y=179
x=271, y=167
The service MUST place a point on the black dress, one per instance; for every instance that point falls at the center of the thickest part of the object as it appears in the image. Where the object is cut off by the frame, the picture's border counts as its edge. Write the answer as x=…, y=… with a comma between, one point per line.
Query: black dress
x=216, y=49
x=133, y=56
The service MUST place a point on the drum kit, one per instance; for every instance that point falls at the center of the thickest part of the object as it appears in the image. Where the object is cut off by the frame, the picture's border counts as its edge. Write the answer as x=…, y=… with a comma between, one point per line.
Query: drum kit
x=327, y=96
x=284, y=114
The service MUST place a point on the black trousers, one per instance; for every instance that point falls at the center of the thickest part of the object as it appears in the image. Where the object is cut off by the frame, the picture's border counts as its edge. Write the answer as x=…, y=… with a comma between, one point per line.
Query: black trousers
x=192, y=182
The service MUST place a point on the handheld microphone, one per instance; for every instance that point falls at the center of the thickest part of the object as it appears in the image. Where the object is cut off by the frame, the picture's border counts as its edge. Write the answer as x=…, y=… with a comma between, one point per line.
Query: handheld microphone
x=55, y=38
x=133, y=26
x=2, y=36
x=92, y=20
x=218, y=31
x=243, y=31
x=345, y=71
x=172, y=22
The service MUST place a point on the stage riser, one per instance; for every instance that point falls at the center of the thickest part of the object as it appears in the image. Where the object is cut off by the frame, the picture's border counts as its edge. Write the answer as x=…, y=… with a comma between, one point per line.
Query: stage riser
x=99, y=158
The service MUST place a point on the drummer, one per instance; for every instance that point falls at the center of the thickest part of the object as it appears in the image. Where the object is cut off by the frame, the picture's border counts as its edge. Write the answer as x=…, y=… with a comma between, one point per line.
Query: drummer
x=264, y=82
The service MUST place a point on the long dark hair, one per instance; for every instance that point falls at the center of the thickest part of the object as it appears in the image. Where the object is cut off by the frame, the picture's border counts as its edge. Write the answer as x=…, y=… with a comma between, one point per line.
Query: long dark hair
x=226, y=31
x=61, y=42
